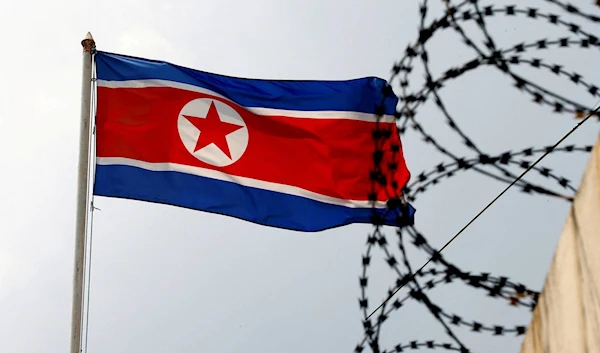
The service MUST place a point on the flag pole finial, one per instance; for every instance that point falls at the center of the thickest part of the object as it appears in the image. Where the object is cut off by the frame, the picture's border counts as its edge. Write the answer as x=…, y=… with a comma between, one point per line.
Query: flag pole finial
x=88, y=43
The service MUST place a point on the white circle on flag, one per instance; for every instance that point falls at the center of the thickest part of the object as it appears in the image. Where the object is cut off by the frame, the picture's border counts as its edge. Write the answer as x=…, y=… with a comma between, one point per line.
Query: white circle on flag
x=217, y=139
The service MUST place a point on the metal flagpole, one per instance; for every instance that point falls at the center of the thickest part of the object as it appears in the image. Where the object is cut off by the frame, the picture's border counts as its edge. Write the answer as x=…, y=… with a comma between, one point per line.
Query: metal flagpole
x=82, y=194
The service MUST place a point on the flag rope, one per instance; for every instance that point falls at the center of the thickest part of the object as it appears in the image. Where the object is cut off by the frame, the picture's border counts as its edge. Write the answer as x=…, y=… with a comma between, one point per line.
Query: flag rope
x=91, y=170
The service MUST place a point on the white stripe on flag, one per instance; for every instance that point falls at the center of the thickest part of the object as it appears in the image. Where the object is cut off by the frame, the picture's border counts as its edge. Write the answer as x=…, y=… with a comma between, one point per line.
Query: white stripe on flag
x=214, y=174
x=259, y=111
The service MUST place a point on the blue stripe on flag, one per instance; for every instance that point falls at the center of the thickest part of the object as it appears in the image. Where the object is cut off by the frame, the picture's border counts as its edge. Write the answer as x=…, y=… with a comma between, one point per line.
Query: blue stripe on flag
x=362, y=95
x=210, y=195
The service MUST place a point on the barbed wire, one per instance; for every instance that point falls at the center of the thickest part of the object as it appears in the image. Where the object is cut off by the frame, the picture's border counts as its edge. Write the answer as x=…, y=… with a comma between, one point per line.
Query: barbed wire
x=449, y=169
x=496, y=166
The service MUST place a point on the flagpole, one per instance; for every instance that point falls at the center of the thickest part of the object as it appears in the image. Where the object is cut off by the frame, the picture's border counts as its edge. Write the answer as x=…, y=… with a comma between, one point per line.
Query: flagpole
x=82, y=194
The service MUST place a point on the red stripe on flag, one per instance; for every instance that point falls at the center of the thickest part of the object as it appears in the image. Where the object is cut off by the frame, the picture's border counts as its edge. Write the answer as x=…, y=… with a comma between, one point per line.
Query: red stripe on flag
x=332, y=157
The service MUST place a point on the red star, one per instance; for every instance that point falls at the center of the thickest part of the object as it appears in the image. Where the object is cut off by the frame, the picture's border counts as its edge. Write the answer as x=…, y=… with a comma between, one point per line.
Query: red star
x=213, y=130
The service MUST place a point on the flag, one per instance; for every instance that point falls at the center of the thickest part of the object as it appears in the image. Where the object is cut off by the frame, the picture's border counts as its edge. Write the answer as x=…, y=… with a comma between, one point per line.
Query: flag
x=291, y=154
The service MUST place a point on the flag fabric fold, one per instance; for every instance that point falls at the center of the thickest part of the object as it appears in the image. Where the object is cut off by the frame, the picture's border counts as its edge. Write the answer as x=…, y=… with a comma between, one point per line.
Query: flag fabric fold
x=283, y=153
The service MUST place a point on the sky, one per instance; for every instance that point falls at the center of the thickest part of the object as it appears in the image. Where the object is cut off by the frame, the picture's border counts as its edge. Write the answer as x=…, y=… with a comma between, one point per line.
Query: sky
x=167, y=279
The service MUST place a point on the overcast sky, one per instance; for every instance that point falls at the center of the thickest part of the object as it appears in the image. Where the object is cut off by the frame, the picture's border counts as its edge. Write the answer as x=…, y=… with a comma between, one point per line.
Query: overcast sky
x=166, y=279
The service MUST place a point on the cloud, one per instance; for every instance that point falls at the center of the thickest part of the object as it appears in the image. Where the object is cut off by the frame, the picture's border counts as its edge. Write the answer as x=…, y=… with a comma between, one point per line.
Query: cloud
x=146, y=42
